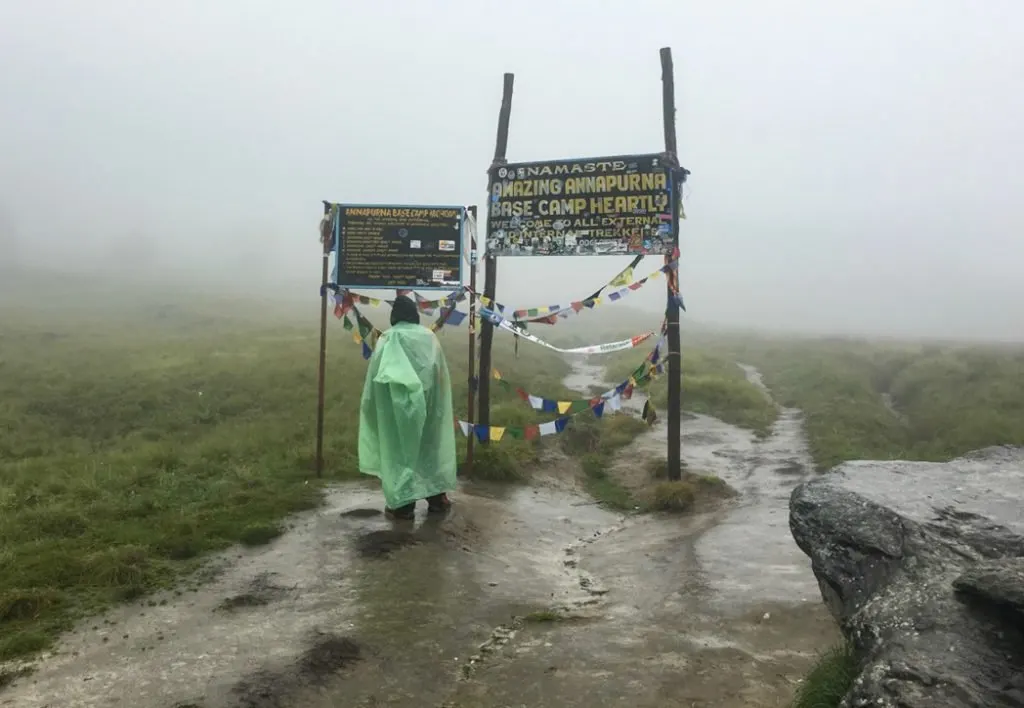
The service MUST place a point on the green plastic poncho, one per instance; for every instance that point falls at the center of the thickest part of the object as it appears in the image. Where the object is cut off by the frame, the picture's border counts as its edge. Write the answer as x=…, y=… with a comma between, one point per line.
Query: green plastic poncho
x=406, y=426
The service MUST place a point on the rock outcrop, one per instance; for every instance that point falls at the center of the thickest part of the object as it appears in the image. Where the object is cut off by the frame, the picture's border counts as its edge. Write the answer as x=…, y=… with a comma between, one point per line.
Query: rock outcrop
x=922, y=564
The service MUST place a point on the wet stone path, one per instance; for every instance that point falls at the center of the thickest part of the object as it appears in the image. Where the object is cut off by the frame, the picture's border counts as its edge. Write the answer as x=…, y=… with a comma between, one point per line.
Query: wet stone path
x=528, y=596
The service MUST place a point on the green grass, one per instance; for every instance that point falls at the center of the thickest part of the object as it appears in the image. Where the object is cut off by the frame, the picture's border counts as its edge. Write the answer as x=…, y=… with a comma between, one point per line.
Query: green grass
x=595, y=442
x=712, y=384
x=829, y=680
x=947, y=399
x=134, y=444
x=500, y=462
x=260, y=534
x=693, y=490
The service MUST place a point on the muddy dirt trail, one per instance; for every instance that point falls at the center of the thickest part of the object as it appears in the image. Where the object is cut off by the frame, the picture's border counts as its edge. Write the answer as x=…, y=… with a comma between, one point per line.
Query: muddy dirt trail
x=530, y=596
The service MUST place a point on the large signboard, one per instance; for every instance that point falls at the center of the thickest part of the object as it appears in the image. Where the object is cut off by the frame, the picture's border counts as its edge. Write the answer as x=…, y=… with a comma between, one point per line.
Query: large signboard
x=589, y=207
x=399, y=247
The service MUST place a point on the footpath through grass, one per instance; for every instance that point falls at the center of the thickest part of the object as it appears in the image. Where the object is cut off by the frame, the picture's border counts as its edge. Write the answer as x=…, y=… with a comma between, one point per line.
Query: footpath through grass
x=131, y=446
x=713, y=384
x=861, y=399
x=865, y=400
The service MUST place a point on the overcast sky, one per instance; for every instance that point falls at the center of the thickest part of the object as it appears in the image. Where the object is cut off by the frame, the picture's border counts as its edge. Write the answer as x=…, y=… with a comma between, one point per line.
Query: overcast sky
x=855, y=165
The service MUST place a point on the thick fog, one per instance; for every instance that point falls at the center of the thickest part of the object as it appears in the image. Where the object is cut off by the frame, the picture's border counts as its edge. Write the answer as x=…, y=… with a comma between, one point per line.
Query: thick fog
x=856, y=166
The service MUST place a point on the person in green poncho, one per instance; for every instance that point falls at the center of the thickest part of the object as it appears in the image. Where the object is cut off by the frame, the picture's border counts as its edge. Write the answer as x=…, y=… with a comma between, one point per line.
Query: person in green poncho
x=406, y=423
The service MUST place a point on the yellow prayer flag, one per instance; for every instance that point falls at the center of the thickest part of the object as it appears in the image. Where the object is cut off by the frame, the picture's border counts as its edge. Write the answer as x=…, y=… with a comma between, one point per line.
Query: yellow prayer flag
x=358, y=339
x=564, y=406
x=655, y=274
x=597, y=301
x=497, y=433
x=623, y=278
x=374, y=302
x=632, y=382
x=486, y=301
x=496, y=373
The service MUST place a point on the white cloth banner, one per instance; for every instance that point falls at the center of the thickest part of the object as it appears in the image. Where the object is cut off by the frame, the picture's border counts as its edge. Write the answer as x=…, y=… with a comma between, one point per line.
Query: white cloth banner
x=500, y=322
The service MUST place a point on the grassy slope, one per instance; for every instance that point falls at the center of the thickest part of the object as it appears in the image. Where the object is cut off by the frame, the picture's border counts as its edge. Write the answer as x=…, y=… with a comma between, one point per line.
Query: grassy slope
x=946, y=399
x=132, y=445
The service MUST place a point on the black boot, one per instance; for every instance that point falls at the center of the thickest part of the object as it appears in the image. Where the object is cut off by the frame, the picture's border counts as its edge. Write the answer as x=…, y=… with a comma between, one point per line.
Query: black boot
x=438, y=504
x=402, y=513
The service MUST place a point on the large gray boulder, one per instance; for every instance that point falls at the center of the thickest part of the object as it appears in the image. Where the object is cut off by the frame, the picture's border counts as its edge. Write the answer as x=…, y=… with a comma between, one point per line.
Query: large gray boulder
x=922, y=564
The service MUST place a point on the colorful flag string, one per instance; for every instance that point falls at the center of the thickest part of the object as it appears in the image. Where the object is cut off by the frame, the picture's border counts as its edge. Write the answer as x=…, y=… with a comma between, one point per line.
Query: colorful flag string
x=551, y=313
x=597, y=406
x=345, y=302
x=554, y=312
x=609, y=400
x=345, y=298
x=636, y=377
x=363, y=331
x=366, y=334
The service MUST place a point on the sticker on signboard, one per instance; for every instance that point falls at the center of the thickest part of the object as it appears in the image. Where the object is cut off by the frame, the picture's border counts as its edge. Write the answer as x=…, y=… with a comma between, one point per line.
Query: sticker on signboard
x=441, y=275
x=415, y=244
x=446, y=245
